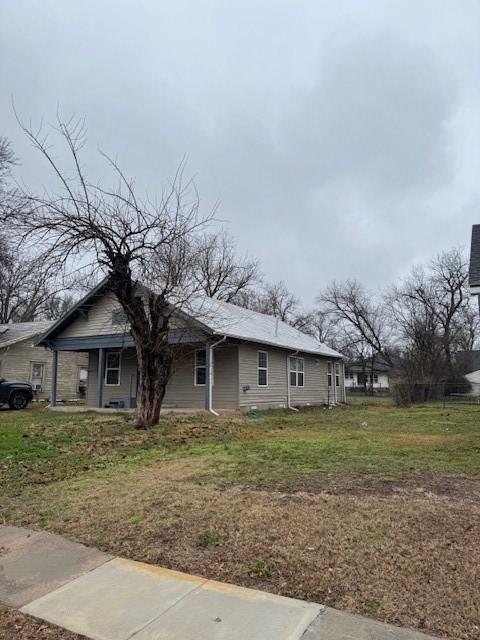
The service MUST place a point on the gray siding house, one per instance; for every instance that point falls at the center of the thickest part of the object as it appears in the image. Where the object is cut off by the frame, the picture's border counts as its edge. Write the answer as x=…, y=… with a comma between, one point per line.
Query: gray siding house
x=20, y=359
x=228, y=358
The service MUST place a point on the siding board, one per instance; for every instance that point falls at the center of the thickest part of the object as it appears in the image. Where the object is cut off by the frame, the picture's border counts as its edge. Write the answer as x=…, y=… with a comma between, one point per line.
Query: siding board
x=314, y=392
x=16, y=363
x=181, y=391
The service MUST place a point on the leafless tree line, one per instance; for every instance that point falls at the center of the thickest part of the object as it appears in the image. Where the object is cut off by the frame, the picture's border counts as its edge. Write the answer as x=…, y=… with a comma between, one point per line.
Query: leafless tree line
x=417, y=327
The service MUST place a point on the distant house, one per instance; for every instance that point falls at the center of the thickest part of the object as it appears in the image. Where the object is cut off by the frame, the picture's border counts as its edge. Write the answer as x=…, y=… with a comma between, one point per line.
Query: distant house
x=227, y=357
x=474, y=268
x=20, y=359
x=361, y=375
x=469, y=364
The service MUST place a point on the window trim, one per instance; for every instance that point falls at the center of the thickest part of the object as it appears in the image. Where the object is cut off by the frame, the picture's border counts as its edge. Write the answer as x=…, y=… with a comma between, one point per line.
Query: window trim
x=338, y=375
x=329, y=374
x=41, y=364
x=199, y=366
x=107, y=368
x=296, y=371
x=119, y=317
x=259, y=368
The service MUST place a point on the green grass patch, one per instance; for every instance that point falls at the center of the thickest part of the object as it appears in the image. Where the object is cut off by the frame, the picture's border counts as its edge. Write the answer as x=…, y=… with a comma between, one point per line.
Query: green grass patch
x=38, y=446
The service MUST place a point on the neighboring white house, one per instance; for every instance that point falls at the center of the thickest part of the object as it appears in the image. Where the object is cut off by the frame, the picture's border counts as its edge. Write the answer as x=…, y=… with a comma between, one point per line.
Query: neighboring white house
x=469, y=361
x=358, y=375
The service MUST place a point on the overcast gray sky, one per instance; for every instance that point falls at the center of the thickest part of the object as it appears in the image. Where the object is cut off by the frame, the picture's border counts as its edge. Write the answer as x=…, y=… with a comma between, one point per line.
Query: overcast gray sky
x=342, y=139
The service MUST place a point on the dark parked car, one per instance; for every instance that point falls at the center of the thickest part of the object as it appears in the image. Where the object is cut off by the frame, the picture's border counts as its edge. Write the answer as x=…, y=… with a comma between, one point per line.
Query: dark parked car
x=15, y=393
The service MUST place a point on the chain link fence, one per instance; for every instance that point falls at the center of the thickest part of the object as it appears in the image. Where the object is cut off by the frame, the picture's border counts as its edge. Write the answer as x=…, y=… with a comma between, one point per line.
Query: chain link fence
x=408, y=393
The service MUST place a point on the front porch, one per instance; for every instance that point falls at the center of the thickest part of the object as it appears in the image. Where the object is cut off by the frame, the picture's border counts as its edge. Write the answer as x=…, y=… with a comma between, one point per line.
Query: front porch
x=113, y=373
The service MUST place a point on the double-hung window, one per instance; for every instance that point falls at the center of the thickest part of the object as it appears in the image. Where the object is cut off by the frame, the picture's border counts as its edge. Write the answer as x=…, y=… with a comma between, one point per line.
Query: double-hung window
x=262, y=368
x=112, y=368
x=330, y=374
x=297, y=375
x=36, y=375
x=200, y=367
x=337, y=374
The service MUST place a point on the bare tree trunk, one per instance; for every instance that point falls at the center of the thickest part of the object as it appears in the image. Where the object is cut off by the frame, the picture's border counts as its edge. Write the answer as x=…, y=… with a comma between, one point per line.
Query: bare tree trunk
x=154, y=371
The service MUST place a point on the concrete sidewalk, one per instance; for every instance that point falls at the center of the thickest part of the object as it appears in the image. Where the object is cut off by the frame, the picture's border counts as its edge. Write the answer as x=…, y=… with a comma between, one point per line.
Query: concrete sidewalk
x=106, y=598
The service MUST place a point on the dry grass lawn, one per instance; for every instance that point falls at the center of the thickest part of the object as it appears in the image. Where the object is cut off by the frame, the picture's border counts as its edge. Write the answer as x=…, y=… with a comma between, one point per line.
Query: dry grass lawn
x=374, y=510
x=17, y=626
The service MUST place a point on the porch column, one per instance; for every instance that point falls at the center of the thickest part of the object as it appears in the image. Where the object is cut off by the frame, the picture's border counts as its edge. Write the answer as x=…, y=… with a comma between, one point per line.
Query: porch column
x=208, y=377
x=100, y=374
x=53, y=393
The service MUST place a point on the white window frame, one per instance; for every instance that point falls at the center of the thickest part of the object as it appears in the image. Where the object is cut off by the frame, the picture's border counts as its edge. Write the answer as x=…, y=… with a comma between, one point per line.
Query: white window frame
x=199, y=366
x=35, y=363
x=107, y=369
x=259, y=368
x=330, y=374
x=338, y=375
x=294, y=360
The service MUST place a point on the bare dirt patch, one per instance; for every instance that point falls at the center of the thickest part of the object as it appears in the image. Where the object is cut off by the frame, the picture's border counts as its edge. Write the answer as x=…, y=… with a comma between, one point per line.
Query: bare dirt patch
x=429, y=483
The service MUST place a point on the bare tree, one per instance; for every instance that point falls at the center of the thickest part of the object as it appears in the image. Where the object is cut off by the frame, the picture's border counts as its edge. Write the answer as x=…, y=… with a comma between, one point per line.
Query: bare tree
x=322, y=326
x=26, y=285
x=362, y=319
x=433, y=317
x=7, y=160
x=25, y=288
x=222, y=273
x=57, y=305
x=273, y=299
x=148, y=250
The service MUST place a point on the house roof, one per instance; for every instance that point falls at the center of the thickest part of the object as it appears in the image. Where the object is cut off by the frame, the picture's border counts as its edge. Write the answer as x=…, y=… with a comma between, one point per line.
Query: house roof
x=469, y=360
x=19, y=331
x=224, y=318
x=219, y=318
x=474, y=270
x=379, y=366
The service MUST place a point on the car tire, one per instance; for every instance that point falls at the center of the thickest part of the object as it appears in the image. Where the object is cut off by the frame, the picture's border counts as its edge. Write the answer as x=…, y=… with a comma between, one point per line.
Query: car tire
x=18, y=400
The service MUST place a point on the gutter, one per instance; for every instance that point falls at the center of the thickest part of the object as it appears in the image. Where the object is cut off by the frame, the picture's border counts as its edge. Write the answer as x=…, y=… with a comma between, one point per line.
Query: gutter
x=210, y=381
x=290, y=355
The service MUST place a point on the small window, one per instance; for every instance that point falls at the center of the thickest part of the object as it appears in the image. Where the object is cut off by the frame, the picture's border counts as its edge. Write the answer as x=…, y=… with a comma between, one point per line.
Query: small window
x=262, y=368
x=119, y=317
x=373, y=378
x=337, y=374
x=200, y=367
x=297, y=372
x=329, y=374
x=36, y=375
x=112, y=368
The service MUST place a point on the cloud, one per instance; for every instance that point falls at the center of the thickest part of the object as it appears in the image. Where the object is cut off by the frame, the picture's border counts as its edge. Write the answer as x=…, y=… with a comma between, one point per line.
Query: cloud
x=342, y=140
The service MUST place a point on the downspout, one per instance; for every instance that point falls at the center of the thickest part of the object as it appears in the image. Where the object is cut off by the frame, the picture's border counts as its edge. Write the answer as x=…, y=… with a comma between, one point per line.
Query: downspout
x=291, y=355
x=210, y=381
